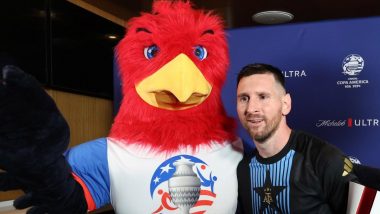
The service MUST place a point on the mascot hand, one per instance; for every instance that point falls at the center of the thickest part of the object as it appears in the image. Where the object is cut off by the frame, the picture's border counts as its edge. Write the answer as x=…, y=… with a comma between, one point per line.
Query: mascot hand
x=33, y=137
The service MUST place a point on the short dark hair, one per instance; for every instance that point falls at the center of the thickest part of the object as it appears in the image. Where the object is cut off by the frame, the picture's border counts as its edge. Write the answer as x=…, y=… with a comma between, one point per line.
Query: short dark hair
x=261, y=68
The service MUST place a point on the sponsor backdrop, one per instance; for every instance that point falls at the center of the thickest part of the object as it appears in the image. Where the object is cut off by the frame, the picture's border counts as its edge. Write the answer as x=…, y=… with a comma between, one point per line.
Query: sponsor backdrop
x=332, y=71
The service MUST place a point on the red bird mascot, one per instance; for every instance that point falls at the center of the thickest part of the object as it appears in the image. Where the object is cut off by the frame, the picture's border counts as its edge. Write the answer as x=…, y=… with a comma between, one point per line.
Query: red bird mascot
x=172, y=148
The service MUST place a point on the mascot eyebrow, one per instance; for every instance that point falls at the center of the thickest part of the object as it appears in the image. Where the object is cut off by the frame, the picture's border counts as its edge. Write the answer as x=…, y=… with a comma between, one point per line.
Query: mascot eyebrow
x=208, y=31
x=143, y=30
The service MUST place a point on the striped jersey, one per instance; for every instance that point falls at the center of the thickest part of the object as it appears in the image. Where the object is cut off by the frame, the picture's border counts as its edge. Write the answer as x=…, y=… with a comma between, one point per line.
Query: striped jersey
x=306, y=176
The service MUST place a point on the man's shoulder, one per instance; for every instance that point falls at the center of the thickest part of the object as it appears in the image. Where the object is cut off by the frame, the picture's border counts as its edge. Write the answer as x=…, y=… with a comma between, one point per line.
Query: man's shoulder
x=311, y=141
x=316, y=147
x=323, y=156
x=247, y=157
x=303, y=136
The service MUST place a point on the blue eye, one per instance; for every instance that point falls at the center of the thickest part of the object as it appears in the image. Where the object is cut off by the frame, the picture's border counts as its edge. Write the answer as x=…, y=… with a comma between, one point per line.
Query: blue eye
x=151, y=51
x=200, y=52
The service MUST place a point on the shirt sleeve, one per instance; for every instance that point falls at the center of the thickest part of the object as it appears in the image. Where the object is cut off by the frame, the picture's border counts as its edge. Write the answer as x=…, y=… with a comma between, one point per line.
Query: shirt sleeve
x=335, y=177
x=244, y=185
x=90, y=168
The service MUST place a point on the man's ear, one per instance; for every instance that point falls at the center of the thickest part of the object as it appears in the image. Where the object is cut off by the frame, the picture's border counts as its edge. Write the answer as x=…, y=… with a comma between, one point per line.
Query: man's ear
x=286, y=104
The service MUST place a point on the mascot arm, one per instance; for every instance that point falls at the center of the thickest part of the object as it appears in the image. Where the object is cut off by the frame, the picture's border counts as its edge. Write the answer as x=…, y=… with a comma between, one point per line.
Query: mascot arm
x=33, y=137
x=90, y=168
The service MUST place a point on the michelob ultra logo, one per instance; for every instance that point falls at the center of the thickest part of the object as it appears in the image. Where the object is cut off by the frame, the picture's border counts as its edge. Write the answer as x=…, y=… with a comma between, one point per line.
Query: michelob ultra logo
x=349, y=122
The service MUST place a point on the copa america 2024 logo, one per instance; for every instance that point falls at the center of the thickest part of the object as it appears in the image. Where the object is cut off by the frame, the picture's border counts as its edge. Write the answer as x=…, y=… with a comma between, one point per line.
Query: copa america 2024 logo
x=352, y=65
x=182, y=183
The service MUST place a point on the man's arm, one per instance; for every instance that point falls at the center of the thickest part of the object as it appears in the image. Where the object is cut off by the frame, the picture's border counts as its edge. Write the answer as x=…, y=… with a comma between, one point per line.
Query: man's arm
x=335, y=178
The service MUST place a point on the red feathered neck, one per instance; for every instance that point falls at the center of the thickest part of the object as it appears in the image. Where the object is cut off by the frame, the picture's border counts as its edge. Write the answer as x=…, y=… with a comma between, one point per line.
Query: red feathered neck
x=174, y=28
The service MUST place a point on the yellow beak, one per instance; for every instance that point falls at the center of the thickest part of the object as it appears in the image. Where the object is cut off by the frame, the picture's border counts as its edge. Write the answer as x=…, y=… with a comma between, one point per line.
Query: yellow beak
x=178, y=85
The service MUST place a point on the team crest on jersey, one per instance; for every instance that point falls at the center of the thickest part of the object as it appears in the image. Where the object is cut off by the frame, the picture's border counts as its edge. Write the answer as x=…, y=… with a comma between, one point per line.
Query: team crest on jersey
x=181, y=177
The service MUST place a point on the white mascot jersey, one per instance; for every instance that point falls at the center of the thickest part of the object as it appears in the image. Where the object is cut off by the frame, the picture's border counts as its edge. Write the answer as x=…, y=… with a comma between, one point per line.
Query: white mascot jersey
x=138, y=179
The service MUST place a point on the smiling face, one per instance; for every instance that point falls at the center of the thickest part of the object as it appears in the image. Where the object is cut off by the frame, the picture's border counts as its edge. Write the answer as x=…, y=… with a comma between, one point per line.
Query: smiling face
x=262, y=105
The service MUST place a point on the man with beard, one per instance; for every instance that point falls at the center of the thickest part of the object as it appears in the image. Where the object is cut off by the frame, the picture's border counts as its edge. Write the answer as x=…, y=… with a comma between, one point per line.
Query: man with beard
x=289, y=171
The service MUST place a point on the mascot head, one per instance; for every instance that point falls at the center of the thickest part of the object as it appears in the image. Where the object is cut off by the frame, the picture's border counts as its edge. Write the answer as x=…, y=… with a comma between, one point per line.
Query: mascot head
x=173, y=64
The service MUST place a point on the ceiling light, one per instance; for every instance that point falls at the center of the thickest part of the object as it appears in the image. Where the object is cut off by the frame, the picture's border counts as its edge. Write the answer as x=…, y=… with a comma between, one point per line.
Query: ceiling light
x=111, y=36
x=272, y=17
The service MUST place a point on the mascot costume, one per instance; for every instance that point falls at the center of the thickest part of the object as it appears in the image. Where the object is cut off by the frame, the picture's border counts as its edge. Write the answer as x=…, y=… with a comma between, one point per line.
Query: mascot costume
x=171, y=149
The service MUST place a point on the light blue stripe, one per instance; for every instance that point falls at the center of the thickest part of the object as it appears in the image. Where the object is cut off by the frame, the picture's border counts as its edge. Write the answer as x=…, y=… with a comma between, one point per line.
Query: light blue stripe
x=290, y=163
x=286, y=179
x=283, y=165
x=253, y=173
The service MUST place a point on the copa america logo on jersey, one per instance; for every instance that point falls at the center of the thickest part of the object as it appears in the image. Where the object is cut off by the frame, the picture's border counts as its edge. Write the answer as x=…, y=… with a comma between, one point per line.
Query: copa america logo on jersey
x=182, y=184
x=352, y=65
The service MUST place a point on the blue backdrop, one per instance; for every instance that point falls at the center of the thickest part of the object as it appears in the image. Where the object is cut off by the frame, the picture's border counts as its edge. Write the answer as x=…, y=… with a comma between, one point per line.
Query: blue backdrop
x=332, y=71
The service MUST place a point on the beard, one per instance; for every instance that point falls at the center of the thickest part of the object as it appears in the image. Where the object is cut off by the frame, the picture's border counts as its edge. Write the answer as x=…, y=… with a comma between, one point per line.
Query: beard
x=260, y=135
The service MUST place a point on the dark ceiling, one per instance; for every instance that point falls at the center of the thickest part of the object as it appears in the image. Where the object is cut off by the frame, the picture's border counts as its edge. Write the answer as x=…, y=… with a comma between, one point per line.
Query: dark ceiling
x=49, y=45
x=238, y=13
